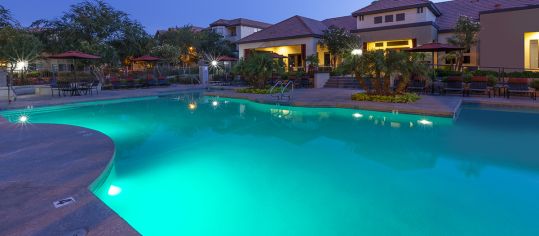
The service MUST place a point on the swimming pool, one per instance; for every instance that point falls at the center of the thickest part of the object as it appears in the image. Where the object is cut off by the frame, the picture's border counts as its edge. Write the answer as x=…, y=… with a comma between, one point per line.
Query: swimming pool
x=194, y=165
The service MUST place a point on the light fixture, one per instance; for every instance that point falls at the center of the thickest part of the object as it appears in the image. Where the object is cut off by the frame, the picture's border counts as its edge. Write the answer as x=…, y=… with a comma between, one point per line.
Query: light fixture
x=425, y=122
x=114, y=190
x=23, y=119
x=357, y=115
x=192, y=106
x=215, y=103
x=214, y=63
x=357, y=52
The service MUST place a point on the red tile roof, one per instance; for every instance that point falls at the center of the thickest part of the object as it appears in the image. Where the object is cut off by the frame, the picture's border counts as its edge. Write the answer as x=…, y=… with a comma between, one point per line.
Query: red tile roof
x=294, y=27
x=346, y=22
x=394, y=5
x=452, y=10
x=240, y=21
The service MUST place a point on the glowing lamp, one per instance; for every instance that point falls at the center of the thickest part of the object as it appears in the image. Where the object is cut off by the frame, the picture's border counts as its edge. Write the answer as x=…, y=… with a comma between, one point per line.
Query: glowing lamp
x=425, y=122
x=214, y=63
x=357, y=52
x=215, y=103
x=23, y=119
x=192, y=106
x=114, y=190
x=357, y=115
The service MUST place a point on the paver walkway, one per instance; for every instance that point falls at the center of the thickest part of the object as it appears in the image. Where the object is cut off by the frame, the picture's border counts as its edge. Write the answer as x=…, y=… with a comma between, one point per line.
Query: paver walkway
x=40, y=164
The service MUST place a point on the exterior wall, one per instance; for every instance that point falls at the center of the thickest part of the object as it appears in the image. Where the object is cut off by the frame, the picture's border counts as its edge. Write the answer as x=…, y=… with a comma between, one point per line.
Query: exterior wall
x=502, y=42
x=310, y=45
x=411, y=16
x=474, y=51
x=422, y=34
x=245, y=31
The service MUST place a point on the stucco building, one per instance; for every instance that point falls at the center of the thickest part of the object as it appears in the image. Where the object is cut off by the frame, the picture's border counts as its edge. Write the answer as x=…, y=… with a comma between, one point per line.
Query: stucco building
x=509, y=31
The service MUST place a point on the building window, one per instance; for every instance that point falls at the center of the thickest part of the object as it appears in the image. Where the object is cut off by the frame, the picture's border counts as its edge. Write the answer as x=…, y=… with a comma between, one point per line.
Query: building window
x=379, y=45
x=397, y=43
x=450, y=61
x=420, y=10
x=400, y=17
x=378, y=20
x=466, y=60
x=232, y=31
x=534, y=54
x=327, y=59
x=389, y=18
x=361, y=18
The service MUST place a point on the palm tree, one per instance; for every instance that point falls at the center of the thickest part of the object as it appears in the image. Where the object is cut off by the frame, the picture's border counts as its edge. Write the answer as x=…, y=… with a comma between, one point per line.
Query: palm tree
x=257, y=68
x=339, y=42
x=412, y=65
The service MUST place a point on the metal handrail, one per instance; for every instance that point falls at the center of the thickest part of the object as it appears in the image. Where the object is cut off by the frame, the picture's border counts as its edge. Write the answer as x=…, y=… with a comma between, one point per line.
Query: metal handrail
x=283, y=89
x=279, y=83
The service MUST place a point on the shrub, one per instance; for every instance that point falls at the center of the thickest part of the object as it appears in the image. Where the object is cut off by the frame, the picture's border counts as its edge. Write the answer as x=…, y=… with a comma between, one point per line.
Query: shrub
x=524, y=74
x=535, y=84
x=255, y=91
x=404, y=98
x=492, y=80
x=467, y=77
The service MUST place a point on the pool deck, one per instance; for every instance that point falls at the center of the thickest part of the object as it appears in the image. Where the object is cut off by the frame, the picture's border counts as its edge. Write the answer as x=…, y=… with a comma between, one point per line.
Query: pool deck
x=40, y=101
x=34, y=174
x=442, y=106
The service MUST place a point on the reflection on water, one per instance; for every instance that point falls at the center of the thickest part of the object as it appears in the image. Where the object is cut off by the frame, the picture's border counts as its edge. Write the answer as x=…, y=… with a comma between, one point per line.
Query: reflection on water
x=232, y=167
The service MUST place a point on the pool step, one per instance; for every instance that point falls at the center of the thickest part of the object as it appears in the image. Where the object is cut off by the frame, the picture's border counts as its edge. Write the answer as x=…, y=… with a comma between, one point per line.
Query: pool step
x=342, y=82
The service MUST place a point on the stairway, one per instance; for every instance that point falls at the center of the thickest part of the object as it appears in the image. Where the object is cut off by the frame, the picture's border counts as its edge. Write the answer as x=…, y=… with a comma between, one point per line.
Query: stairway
x=342, y=82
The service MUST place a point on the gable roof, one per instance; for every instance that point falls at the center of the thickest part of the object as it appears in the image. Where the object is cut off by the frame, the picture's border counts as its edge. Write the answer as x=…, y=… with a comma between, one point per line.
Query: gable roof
x=293, y=27
x=380, y=6
x=240, y=22
x=345, y=22
x=452, y=10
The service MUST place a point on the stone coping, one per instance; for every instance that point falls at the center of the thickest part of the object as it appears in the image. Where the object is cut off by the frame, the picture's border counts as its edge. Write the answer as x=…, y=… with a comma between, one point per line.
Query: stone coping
x=43, y=163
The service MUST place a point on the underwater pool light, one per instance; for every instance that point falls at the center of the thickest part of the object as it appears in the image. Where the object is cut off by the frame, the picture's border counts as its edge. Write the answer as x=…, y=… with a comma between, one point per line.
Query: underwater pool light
x=114, y=190
x=357, y=115
x=215, y=103
x=425, y=122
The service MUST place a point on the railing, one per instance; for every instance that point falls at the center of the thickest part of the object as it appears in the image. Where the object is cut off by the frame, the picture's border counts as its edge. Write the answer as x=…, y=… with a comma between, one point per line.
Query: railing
x=283, y=88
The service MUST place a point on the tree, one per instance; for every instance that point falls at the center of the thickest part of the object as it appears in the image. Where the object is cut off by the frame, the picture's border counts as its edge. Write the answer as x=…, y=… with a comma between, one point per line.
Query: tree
x=339, y=43
x=466, y=36
x=167, y=52
x=257, y=68
x=16, y=46
x=6, y=19
x=379, y=66
x=93, y=26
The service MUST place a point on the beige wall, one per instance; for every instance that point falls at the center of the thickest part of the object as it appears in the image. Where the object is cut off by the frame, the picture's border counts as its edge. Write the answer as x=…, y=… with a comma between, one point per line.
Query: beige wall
x=310, y=45
x=502, y=41
x=410, y=16
x=474, y=51
x=423, y=34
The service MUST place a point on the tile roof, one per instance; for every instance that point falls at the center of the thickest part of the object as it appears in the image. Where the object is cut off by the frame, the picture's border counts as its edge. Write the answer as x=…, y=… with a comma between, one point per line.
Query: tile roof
x=452, y=10
x=294, y=27
x=389, y=5
x=240, y=21
x=346, y=22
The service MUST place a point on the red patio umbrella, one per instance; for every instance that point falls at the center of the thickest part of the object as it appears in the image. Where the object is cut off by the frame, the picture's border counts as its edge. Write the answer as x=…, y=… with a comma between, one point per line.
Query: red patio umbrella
x=435, y=48
x=74, y=55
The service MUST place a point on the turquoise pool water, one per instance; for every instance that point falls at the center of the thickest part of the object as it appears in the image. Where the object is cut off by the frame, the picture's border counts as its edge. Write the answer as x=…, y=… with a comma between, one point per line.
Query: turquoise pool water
x=233, y=167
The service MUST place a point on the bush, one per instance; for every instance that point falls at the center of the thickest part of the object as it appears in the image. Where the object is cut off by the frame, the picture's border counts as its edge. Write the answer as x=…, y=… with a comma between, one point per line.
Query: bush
x=485, y=73
x=447, y=73
x=255, y=91
x=467, y=77
x=492, y=80
x=404, y=98
x=524, y=74
x=535, y=84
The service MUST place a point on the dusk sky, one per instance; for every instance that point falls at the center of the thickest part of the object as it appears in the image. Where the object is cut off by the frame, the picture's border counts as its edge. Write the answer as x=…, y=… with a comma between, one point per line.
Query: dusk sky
x=161, y=14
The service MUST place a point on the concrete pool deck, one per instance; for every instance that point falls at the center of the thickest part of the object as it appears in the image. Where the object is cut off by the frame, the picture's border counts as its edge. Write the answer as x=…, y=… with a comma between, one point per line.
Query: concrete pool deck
x=442, y=106
x=34, y=174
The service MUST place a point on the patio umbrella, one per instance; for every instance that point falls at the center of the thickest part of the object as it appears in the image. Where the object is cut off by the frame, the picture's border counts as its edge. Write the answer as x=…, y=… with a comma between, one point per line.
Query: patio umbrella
x=74, y=55
x=147, y=58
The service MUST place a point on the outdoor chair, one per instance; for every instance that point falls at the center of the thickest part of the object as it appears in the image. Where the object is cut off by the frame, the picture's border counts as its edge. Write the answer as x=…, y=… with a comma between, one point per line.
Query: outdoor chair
x=66, y=87
x=54, y=86
x=418, y=85
x=520, y=86
x=479, y=84
x=454, y=85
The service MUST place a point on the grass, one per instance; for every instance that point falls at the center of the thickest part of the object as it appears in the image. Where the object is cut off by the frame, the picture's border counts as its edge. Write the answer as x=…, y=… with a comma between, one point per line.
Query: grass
x=404, y=98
